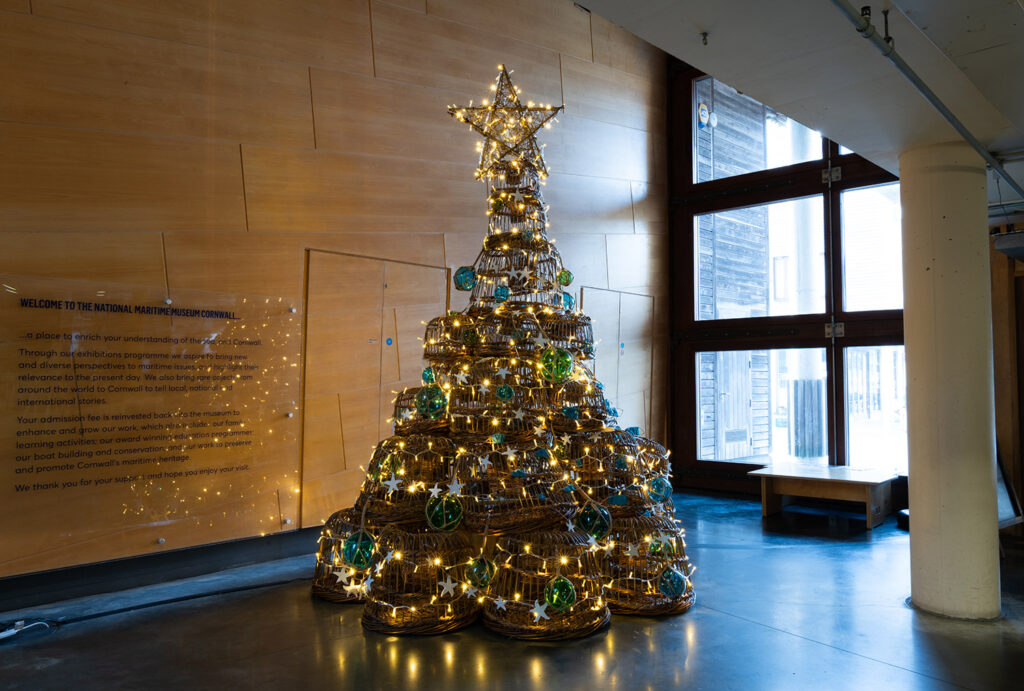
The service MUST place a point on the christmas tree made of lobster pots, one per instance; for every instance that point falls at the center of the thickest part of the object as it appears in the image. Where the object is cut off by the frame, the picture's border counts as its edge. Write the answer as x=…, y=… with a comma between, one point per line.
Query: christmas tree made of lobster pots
x=508, y=490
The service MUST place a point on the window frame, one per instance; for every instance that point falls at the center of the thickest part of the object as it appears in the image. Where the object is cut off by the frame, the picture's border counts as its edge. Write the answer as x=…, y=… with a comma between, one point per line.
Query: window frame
x=690, y=335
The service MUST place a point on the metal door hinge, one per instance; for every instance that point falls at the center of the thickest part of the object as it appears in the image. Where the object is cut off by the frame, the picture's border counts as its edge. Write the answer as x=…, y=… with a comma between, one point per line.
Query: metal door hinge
x=835, y=330
x=832, y=174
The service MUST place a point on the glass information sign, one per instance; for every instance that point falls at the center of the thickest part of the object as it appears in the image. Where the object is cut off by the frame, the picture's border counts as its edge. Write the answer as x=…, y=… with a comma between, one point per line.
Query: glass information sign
x=134, y=423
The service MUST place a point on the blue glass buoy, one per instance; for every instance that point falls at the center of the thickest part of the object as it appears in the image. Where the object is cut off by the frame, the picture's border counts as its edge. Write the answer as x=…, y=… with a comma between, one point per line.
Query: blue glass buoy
x=542, y=454
x=660, y=489
x=505, y=393
x=465, y=278
x=501, y=294
x=635, y=431
x=618, y=499
x=497, y=438
x=571, y=412
x=429, y=376
x=568, y=301
x=621, y=462
x=671, y=583
x=556, y=300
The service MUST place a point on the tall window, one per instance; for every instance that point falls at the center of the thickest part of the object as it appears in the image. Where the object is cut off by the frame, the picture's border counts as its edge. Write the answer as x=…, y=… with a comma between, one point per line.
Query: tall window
x=787, y=293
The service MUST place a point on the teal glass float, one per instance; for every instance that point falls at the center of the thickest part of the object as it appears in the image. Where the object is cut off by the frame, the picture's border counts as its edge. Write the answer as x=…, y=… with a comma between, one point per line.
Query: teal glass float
x=497, y=438
x=555, y=364
x=431, y=401
x=564, y=277
x=504, y=393
x=621, y=462
x=465, y=278
x=501, y=294
x=560, y=593
x=481, y=571
x=619, y=499
x=357, y=550
x=635, y=431
x=444, y=513
x=518, y=472
x=568, y=302
x=660, y=489
x=594, y=520
x=662, y=547
x=671, y=583
x=571, y=412
x=542, y=454
x=429, y=375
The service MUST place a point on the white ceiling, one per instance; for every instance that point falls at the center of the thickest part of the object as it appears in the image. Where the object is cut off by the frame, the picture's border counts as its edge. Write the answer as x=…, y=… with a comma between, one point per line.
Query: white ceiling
x=805, y=59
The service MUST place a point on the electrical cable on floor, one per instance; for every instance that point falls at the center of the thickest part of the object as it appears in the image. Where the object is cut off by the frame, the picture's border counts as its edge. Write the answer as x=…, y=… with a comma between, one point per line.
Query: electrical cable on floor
x=11, y=629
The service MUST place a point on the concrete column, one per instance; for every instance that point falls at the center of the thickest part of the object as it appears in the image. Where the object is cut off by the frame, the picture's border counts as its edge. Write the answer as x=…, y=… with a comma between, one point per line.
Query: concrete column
x=954, y=545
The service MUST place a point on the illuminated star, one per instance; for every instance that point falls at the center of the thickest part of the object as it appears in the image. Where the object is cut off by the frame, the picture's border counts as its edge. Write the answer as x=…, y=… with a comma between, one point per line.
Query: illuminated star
x=509, y=129
x=342, y=574
x=462, y=377
x=518, y=198
x=379, y=567
x=509, y=454
x=632, y=550
x=538, y=611
x=455, y=487
x=502, y=372
x=353, y=589
x=393, y=484
x=484, y=388
x=591, y=542
x=500, y=603
x=448, y=584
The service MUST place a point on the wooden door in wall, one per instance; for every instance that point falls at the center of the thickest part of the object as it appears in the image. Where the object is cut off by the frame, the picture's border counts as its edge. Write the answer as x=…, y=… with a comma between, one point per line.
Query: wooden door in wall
x=364, y=328
x=734, y=388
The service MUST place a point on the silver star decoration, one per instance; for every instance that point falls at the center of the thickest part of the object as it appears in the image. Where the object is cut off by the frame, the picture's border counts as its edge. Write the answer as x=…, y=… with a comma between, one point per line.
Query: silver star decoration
x=502, y=372
x=449, y=586
x=566, y=439
x=380, y=567
x=407, y=414
x=591, y=541
x=569, y=525
x=393, y=484
x=632, y=550
x=462, y=377
x=455, y=487
x=538, y=611
x=519, y=197
x=353, y=589
x=434, y=491
x=342, y=574
x=485, y=463
x=367, y=583
x=518, y=413
x=500, y=603
x=484, y=388
x=391, y=553
x=538, y=430
x=519, y=275
x=510, y=454
x=470, y=591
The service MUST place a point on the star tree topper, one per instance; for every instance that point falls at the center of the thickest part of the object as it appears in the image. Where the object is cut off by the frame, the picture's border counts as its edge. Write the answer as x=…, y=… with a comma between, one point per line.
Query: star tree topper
x=509, y=129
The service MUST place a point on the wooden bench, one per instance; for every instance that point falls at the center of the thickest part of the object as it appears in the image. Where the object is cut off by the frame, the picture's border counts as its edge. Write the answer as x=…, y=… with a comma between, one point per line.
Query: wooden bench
x=780, y=481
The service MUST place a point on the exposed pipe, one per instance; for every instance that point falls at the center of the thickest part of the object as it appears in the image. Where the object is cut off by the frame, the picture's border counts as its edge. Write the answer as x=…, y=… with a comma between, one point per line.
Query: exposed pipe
x=886, y=48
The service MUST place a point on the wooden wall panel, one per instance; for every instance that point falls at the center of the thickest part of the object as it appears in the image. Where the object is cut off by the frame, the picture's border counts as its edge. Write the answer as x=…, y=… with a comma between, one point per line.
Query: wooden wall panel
x=302, y=190
x=331, y=34
x=429, y=51
x=392, y=118
x=58, y=73
x=231, y=149
x=565, y=28
x=65, y=180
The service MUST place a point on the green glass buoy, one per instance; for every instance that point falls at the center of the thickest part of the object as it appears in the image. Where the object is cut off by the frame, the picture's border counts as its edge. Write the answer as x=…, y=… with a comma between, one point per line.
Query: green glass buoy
x=497, y=204
x=594, y=520
x=671, y=583
x=505, y=393
x=480, y=572
x=431, y=401
x=662, y=548
x=565, y=277
x=357, y=550
x=470, y=337
x=560, y=593
x=555, y=364
x=444, y=513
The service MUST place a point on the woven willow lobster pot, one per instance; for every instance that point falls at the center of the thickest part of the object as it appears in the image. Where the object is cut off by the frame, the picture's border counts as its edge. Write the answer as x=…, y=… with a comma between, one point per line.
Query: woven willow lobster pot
x=423, y=459
x=570, y=331
x=520, y=490
x=578, y=406
x=408, y=595
x=644, y=547
x=408, y=420
x=332, y=574
x=523, y=272
x=527, y=563
x=509, y=333
x=653, y=457
x=449, y=337
x=477, y=407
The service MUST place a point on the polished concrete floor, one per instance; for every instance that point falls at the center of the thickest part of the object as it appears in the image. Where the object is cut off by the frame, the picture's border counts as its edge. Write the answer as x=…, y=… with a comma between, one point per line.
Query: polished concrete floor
x=807, y=601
